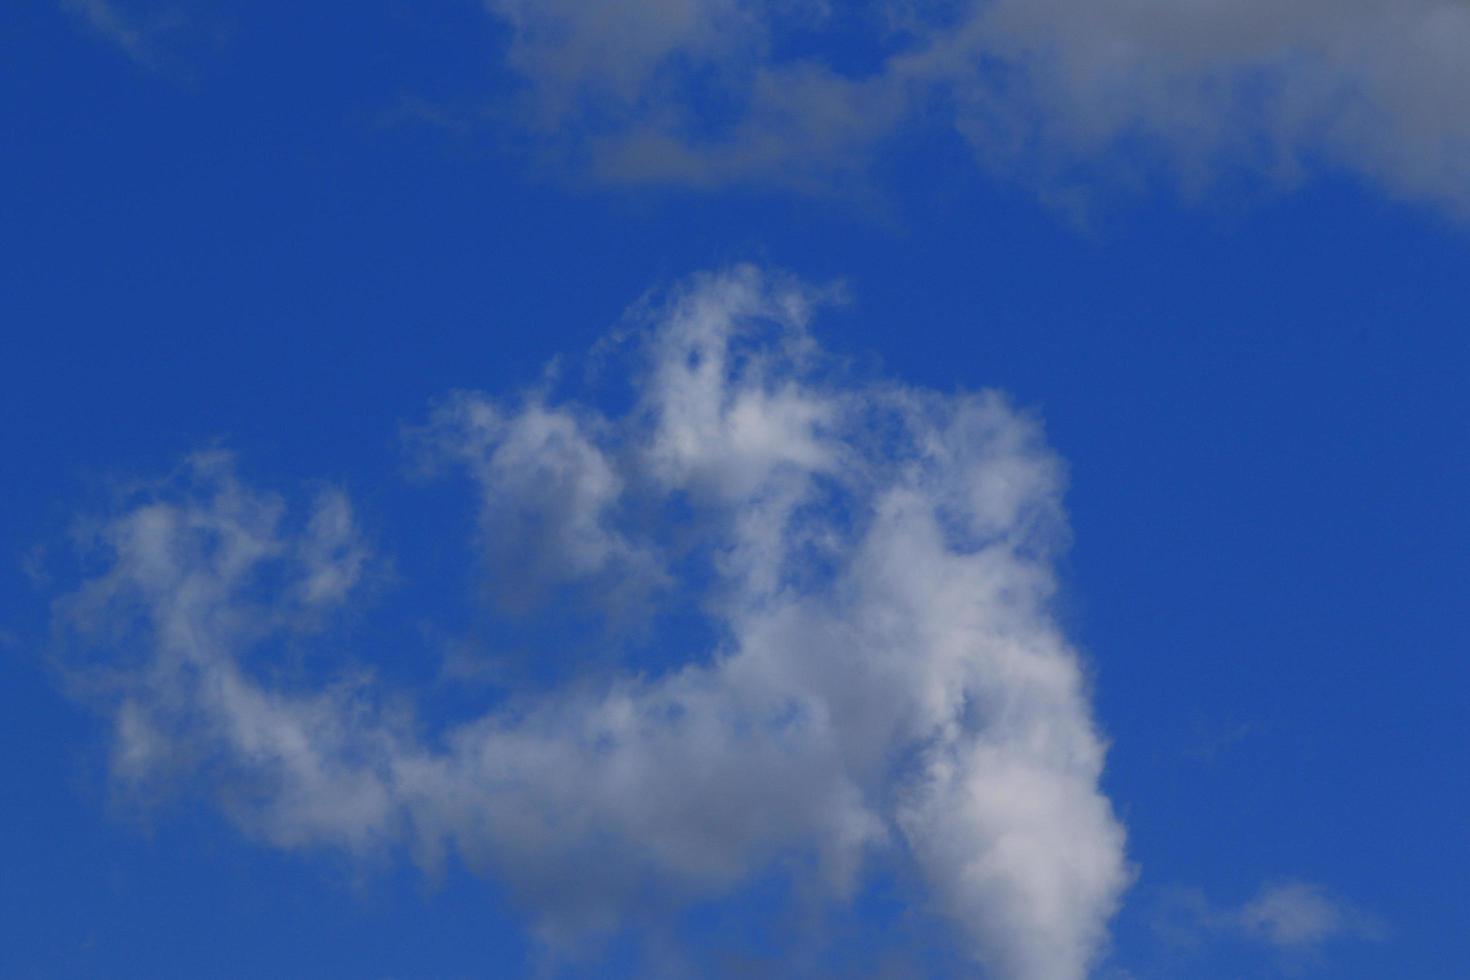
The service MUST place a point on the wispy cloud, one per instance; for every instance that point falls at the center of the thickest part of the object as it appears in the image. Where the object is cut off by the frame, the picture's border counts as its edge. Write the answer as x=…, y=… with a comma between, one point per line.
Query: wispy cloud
x=1070, y=96
x=1297, y=916
x=1064, y=93
x=150, y=32
x=104, y=18
x=882, y=679
x=1295, y=920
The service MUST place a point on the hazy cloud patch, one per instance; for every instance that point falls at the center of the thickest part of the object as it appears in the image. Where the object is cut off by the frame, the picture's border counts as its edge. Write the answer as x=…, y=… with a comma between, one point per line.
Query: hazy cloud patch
x=1294, y=921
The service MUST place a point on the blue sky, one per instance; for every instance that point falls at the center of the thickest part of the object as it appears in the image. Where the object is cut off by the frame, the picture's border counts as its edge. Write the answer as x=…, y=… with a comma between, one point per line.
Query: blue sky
x=687, y=487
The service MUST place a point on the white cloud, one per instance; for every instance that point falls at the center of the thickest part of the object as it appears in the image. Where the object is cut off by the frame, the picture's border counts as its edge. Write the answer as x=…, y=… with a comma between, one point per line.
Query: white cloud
x=885, y=684
x=1294, y=919
x=1295, y=915
x=713, y=91
x=549, y=499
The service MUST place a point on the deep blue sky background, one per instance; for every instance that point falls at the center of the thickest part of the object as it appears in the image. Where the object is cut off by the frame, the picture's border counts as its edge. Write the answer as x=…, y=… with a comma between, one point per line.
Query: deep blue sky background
x=1260, y=395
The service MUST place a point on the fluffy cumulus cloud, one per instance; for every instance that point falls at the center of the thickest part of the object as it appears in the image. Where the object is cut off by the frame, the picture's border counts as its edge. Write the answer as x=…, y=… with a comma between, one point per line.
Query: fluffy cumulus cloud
x=877, y=677
x=711, y=91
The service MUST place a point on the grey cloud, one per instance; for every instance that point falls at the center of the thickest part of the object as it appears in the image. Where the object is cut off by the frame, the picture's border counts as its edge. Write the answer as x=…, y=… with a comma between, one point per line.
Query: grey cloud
x=885, y=681
x=1053, y=91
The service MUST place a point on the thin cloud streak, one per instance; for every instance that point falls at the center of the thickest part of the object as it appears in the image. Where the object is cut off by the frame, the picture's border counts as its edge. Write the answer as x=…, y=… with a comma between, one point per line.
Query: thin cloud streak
x=109, y=22
x=1066, y=94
